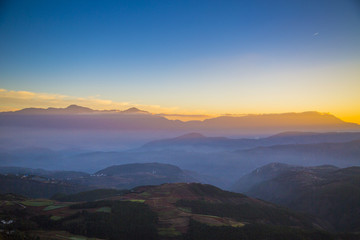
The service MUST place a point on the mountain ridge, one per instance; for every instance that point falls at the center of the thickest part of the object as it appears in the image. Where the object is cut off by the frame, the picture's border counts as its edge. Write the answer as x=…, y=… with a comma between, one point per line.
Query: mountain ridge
x=77, y=117
x=72, y=109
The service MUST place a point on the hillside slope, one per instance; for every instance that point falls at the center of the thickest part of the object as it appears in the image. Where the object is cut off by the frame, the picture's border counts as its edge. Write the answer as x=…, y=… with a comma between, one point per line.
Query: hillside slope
x=170, y=211
x=325, y=191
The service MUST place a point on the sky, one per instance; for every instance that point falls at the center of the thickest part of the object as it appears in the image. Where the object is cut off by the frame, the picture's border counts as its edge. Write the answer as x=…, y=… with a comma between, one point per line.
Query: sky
x=182, y=57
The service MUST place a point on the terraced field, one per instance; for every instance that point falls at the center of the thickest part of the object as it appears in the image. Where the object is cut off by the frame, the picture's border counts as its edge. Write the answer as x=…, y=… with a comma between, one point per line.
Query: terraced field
x=174, y=220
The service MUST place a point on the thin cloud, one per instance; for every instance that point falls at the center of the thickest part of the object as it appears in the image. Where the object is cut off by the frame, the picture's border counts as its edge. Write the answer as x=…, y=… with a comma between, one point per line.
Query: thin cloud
x=15, y=100
x=315, y=34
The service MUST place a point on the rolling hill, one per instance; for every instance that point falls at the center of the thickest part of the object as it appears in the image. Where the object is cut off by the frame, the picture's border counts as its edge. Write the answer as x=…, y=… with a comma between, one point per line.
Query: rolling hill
x=41, y=183
x=131, y=175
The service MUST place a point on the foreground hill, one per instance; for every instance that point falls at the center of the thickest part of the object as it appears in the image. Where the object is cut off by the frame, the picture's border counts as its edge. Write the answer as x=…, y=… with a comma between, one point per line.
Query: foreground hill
x=169, y=211
x=325, y=191
x=180, y=202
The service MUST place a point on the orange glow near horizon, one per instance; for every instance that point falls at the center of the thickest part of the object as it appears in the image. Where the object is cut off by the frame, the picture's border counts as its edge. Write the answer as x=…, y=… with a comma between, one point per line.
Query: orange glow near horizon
x=194, y=116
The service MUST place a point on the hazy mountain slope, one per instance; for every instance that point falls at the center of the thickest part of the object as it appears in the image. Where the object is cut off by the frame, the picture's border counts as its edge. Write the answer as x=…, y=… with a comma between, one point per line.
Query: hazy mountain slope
x=200, y=143
x=225, y=166
x=231, y=165
x=310, y=138
x=342, y=154
x=325, y=191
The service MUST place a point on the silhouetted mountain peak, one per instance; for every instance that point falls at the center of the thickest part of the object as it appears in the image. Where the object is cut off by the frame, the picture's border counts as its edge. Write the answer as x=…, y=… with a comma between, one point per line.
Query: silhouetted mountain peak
x=51, y=110
x=77, y=108
x=191, y=136
x=134, y=110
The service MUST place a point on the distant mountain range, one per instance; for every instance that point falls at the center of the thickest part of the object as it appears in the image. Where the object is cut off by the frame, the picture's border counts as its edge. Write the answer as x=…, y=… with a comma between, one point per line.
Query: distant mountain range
x=73, y=109
x=217, y=160
x=325, y=191
x=77, y=117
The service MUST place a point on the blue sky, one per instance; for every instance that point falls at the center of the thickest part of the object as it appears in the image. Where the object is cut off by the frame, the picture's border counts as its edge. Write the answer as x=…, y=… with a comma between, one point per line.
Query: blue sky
x=191, y=56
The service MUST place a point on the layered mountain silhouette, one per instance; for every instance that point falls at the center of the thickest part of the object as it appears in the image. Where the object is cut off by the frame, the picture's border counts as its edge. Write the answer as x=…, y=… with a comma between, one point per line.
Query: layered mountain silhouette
x=134, y=119
x=72, y=109
x=199, y=142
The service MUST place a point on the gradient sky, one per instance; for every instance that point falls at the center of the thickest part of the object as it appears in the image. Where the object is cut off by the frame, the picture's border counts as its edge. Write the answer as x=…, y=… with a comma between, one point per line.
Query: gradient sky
x=203, y=57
